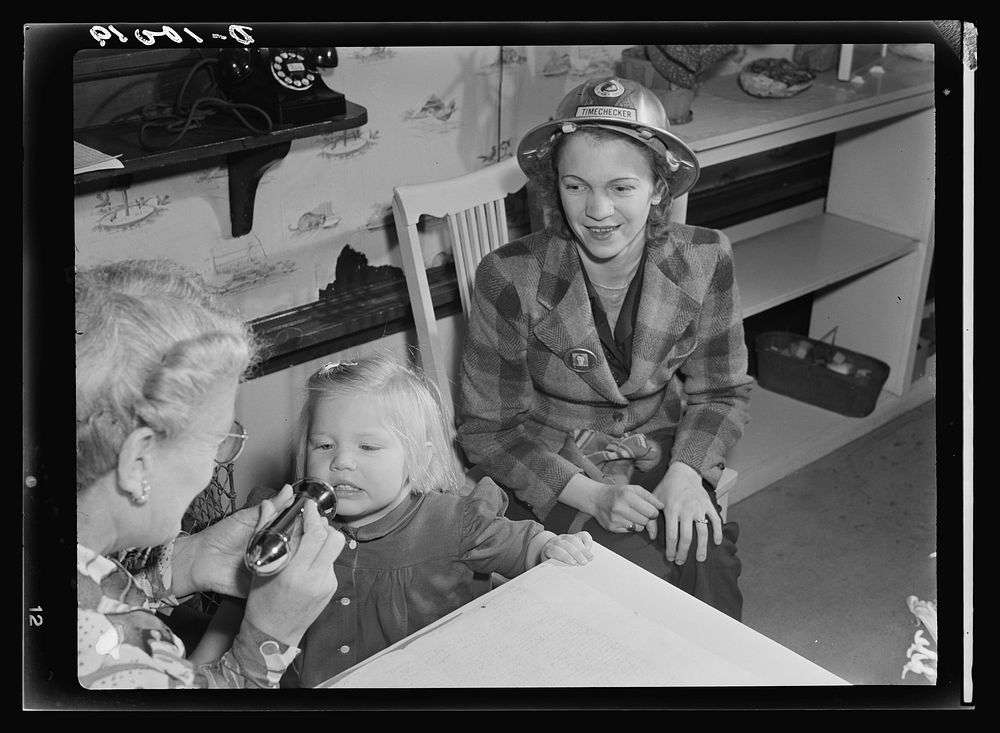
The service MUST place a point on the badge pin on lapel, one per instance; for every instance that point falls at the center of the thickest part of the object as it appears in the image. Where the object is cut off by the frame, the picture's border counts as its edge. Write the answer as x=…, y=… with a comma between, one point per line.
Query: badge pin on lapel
x=580, y=360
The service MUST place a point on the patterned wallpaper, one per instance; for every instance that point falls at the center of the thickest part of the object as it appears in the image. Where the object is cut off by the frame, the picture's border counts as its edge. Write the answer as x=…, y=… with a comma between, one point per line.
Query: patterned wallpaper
x=433, y=112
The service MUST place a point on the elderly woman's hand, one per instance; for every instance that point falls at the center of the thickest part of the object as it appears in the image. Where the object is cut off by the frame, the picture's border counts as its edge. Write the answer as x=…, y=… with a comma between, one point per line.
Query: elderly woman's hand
x=284, y=605
x=212, y=560
x=687, y=505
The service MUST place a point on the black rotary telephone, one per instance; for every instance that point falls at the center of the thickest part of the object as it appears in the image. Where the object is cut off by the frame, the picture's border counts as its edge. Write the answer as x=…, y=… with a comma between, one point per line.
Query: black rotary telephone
x=284, y=82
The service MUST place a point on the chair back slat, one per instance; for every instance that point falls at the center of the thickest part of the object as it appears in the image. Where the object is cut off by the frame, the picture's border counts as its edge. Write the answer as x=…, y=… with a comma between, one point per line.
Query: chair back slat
x=492, y=238
x=488, y=236
x=464, y=259
x=474, y=229
x=500, y=215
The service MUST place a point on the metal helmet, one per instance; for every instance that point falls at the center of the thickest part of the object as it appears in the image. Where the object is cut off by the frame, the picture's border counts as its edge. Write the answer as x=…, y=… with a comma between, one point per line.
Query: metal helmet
x=622, y=105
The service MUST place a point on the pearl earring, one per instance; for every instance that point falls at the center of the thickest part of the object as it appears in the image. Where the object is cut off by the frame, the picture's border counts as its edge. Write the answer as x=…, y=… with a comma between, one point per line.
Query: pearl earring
x=142, y=498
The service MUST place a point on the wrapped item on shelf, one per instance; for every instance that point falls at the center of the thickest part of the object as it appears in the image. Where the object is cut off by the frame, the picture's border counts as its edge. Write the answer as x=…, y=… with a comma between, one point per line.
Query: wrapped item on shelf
x=774, y=78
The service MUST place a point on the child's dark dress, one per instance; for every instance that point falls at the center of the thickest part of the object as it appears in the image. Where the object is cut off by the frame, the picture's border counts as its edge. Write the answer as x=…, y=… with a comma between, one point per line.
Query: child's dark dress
x=428, y=556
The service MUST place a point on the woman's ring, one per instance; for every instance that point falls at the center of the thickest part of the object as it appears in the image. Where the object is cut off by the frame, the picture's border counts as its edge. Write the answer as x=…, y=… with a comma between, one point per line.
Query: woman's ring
x=701, y=521
x=631, y=526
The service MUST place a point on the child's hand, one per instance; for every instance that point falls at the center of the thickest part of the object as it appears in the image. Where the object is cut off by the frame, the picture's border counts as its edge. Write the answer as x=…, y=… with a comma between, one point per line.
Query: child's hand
x=572, y=549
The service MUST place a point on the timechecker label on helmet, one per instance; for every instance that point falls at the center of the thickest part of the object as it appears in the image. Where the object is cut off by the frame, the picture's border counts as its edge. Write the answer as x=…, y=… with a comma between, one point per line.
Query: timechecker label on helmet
x=619, y=113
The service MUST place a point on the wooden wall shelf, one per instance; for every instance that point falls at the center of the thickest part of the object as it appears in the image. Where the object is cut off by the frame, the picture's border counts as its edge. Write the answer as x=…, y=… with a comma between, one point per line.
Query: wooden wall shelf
x=247, y=156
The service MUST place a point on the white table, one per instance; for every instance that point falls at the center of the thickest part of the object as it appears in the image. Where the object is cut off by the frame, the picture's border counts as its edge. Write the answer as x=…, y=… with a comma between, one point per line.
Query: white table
x=609, y=623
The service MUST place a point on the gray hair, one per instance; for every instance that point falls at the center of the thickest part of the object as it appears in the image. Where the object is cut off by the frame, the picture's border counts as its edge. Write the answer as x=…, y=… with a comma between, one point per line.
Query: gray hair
x=152, y=344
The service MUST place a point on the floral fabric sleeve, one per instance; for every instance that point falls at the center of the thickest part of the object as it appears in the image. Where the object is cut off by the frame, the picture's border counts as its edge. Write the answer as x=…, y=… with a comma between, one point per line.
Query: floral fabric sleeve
x=123, y=644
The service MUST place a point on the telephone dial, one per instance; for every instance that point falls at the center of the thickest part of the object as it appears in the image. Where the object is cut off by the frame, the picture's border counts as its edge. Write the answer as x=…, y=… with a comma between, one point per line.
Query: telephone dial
x=284, y=82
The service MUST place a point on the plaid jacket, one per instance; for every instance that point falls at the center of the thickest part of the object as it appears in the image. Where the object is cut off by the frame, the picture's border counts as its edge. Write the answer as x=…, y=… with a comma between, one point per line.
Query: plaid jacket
x=519, y=399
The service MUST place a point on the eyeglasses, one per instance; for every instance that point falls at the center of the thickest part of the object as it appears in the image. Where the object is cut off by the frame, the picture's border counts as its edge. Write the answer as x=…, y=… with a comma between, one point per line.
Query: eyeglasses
x=232, y=446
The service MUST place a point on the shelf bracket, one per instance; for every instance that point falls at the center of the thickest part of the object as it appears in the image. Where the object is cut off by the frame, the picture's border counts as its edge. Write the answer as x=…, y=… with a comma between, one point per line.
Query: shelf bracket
x=246, y=168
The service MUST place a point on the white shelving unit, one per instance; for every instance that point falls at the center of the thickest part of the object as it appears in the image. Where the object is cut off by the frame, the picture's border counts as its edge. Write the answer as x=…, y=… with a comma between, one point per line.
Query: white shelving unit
x=864, y=252
x=813, y=253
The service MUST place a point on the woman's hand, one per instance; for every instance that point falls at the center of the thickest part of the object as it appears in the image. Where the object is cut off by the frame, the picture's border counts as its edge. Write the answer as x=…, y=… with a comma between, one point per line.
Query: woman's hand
x=212, y=560
x=572, y=549
x=284, y=605
x=687, y=505
x=627, y=508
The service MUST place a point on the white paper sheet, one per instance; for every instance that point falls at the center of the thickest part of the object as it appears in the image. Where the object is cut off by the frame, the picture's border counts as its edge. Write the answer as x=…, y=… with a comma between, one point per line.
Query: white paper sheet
x=546, y=630
x=86, y=159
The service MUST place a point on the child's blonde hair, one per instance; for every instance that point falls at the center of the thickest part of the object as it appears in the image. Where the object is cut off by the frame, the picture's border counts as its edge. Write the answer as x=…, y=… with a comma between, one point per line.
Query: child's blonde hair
x=410, y=406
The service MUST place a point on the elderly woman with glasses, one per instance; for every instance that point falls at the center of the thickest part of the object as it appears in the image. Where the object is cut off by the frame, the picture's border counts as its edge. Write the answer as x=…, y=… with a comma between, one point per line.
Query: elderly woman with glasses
x=158, y=365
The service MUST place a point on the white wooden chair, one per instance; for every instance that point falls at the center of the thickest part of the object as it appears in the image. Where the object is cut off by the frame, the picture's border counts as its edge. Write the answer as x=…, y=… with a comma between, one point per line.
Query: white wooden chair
x=473, y=205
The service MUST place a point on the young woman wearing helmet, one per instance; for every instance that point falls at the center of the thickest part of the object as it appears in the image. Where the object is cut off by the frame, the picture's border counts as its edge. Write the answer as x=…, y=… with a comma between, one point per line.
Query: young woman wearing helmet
x=604, y=379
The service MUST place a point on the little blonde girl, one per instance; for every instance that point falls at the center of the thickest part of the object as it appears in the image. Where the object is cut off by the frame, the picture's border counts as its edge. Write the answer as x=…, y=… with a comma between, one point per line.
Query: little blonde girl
x=417, y=546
